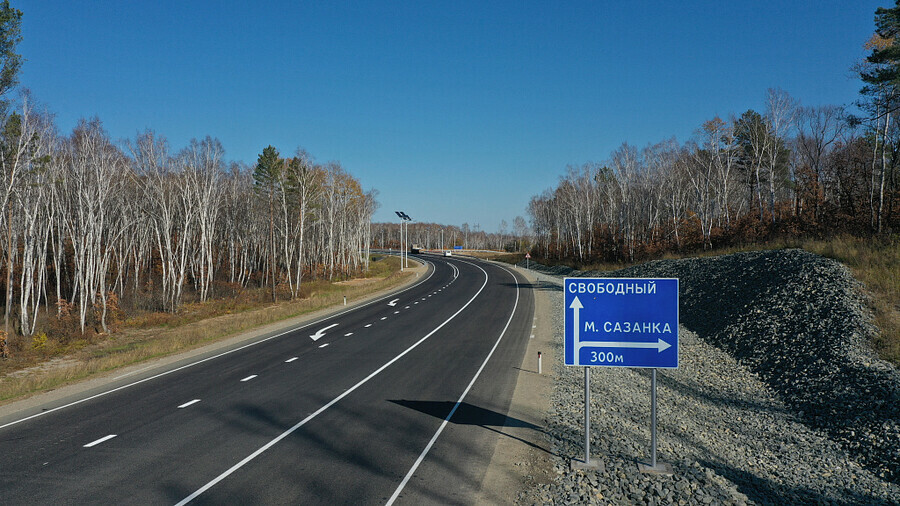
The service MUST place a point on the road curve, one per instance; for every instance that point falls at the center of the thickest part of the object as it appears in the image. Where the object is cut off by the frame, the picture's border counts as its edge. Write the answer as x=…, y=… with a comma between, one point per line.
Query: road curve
x=398, y=400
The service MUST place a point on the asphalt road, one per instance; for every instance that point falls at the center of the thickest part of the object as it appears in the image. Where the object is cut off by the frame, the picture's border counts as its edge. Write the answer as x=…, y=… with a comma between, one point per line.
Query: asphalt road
x=360, y=415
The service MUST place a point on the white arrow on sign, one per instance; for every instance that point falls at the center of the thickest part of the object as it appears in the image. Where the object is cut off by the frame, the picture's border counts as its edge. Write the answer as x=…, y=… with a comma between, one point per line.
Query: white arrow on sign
x=660, y=345
x=393, y=302
x=576, y=306
x=318, y=335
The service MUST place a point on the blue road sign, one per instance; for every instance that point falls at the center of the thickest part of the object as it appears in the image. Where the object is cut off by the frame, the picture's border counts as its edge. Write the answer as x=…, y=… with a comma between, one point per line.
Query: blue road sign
x=621, y=322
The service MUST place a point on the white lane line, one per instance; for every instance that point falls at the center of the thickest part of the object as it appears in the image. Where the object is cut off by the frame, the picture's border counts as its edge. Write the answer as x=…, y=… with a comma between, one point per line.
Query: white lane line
x=348, y=334
x=367, y=326
x=101, y=440
x=416, y=302
x=288, y=361
x=324, y=345
x=334, y=401
x=434, y=438
x=383, y=318
x=407, y=307
x=207, y=359
x=188, y=403
x=248, y=378
x=396, y=312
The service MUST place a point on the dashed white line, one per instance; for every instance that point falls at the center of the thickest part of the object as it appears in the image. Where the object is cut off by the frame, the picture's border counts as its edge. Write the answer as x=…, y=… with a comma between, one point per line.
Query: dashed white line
x=407, y=307
x=101, y=440
x=396, y=312
x=188, y=403
x=348, y=334
x=288, y=361
x=416, y=302
x=324, y=345
x=248, y=378
x=367, y=326
x=383, y=318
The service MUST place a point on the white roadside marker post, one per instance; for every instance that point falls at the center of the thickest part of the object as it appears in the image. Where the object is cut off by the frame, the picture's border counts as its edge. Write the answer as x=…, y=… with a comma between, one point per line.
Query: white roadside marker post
x=540, y=371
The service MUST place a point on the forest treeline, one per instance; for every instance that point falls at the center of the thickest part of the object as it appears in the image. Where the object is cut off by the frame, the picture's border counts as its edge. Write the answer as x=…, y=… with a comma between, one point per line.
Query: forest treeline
x=90, y=226
x=788, y=170
x=438, y=236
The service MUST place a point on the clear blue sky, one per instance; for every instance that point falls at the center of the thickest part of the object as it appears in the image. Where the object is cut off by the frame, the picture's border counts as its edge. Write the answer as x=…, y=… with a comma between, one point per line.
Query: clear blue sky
x=454, y=111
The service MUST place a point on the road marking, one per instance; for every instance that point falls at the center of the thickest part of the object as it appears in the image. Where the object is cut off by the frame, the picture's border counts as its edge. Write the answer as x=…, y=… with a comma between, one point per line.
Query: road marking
x=434, y=438
x=288, y=361
x=367, y=326
x=407, y=307
x=334, y=401
x=348, y=334
x=101, y=440
x=318, y=335
x=416, y=302
x=248, y=378
x=188, y=403
x=324, y=345
x=383, y=318
x=396, y=312
x=207, y=359
x=393, y=302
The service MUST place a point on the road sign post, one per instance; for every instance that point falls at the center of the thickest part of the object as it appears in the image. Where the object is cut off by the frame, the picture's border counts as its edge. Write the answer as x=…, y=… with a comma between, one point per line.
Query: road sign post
x=621, y=322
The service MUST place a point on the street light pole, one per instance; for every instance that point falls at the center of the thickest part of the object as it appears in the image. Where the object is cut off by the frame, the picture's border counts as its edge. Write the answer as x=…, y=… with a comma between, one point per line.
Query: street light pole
x=404, y=255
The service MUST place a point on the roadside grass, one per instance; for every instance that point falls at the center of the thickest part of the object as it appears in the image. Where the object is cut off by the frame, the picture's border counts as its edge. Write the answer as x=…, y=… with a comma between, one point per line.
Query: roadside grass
x=875, y=262
x=147, y=338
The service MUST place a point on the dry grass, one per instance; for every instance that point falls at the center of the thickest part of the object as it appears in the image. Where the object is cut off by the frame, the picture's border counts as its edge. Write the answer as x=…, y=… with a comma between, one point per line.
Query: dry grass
x=201, y=324
x=875, y=262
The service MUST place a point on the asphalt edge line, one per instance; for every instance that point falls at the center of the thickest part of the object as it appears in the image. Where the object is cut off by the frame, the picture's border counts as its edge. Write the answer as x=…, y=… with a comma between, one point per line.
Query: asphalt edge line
x=191, y=364
x=446, y=421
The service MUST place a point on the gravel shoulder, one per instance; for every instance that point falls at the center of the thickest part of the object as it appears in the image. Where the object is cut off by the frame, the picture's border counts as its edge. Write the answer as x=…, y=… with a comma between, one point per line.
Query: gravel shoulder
x=777, y=399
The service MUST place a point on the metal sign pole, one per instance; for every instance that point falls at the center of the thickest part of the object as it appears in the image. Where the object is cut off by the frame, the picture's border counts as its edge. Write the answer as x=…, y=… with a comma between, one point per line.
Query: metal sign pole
x=587, y=463
x=653, y=419
x=587, y=415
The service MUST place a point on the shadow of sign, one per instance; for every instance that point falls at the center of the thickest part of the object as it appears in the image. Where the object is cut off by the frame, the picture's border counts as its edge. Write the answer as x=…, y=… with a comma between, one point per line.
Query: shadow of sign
x=467, y=414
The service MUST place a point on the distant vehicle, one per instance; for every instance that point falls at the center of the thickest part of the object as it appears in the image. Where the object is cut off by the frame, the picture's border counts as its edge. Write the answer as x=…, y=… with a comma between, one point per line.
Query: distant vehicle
x=415, y=249
x=448, y=253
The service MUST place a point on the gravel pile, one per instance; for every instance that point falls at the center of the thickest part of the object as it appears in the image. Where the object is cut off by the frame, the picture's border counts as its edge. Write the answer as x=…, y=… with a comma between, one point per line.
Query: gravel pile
x=778, y=398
